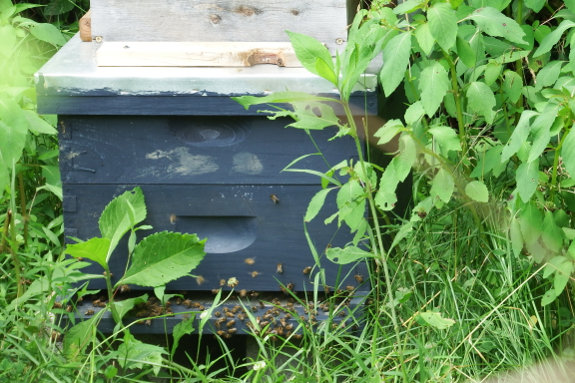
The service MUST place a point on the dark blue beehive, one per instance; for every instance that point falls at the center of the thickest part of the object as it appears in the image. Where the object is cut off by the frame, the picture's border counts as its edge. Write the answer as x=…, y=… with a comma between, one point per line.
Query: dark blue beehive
x=205, y=165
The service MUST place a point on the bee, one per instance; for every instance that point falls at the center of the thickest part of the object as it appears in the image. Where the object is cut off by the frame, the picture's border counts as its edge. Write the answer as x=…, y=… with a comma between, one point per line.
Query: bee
x=262, y=305
x=297, y=336
x=231, y=323
x=264, y=323
x=274, y=199
x=89, y=312
x=341, y=313
x=200, y=280
x=307, y=270
x=280, y=331
x=215, y=291
x=349, y=288
x=55, y=336
x=232, y=330
x=230, y=315
x=221, y=332
x=287, y=316
x=254, y=294
x=254, y=308
x=290, y=286
x=280, y=268
x=254, y=274
x=289, y=327
x=187, y=303
x=233, y=282
x=249, y=261
x=228, y=336
x=69, y=308
x=178, y=301
x=243, y=293
x=422, y=214
x=124, y=289
x=222, y=282
x=236, y=309
x=358, y=278
x=219, y=322
x=80, y=259
x=173, y=219
x=105, y=274
x=217, y=314
x=57, y=305
x=242, y=317
x=201, y=308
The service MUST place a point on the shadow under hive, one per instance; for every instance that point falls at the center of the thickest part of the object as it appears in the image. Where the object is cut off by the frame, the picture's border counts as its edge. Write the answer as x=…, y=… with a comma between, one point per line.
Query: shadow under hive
x=205, y=166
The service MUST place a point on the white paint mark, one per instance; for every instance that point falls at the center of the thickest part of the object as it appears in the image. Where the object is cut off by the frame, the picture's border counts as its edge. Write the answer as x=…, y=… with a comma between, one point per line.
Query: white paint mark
x=184, y=163
x=247, y=163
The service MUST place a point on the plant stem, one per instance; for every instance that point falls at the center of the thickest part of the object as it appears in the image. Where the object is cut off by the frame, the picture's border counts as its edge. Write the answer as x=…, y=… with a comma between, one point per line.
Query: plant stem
x=13, y=251
x=555, y=166
x=458, y=106
x=23, y=207
x=519, y=63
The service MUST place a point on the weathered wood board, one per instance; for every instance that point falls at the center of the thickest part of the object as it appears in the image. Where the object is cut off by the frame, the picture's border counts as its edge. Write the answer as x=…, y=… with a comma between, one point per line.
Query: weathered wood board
x=86, y=27
x=221, y=20
x=201, y=54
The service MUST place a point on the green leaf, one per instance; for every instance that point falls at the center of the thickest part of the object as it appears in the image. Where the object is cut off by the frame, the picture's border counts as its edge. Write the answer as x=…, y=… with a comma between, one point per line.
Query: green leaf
x=562, y=276
x=447, y=139
x=549, y=297
x=38, y=125
x=552, y=265
x=117, y=217
x=552, y=38
x=433, y=85
x=527, y=177
x=14, y=128
x=134, y=354
x=496, y=24
x=535, y=5
x=424, y=38
x=385, y=198
x=388, y=131
x=568, y=153
x=279, y=98
x=162, y=257
x=516, y=237
x=434, y=319
x=519, y=135
x=549, y=74
x=125, y=305
x=316, y=204
x=308, y=50
x=443, y=25
x=48, y=33
x=8, y=40
x=442, y=186
x=541, y=130
x=512, y=85
x=570, y=5
x=551, y=234
x=406, y=157
x=79, y=337
x=531, y=221
x=351, y=202
x=465, y=53
x=324, y=70
x=477, y=191
x=94, y=249
x=347, y=255
x=185, y=327
x=481, y=100
x=312, y=115
x=492, y=72
x=395, y=60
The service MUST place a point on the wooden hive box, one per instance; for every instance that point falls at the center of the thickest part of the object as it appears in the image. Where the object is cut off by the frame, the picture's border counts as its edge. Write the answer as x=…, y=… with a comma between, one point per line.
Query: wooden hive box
x=221, y=20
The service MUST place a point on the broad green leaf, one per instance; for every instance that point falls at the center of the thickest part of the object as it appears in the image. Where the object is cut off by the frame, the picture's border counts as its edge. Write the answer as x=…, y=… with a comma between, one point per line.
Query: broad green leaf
x=48, y=33
x=553, y=265
x=408, y=6
x=549, y=297
x=572, y=54
x=162, y=257
x=516, y=236
x=424, y=38
x=512, y=85
x=8, y=40
x=519, y=135
x=442, y=186
x=535, y=5
x=125, y=305
x=316, y=204
x=552, y=38
x=549, y=74
x=442, y=25
x=447, y=139
x=5, y=4
x=571, y=249
x=540, y=130
x=477, y=191
x=481, y=100
x=551, y=234
x=134, y=354
x=38, y=125
x=395, y=60
x=94, y=249
x=433, y=85
x=279, y=98
x=568, y=153
x=185, y=327
x=570, y=4
x=527, y=177
x=496, y=24
x=14, y=128
x=562, y=275
x=406, y=157
x=388, y=131
x=312, y=115
x=414, y=113
x=79, y=337
x=490, y=161
x=325, y=70
x=351, y=203
x=492, y=72
x=465, y=53
x=308, y=50
x=116, y=219
x=385, y=198
x=530, y=221
x=347, y=255
x=434, y=319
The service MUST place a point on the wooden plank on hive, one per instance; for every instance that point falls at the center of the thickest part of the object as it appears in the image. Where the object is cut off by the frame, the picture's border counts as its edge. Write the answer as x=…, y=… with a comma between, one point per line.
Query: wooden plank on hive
x=196, y=54
x=86, y=27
